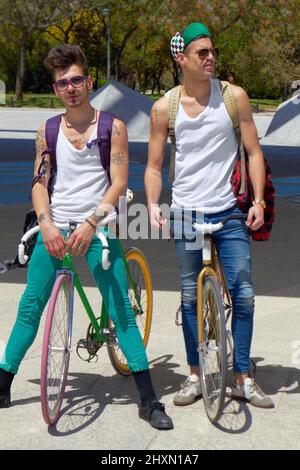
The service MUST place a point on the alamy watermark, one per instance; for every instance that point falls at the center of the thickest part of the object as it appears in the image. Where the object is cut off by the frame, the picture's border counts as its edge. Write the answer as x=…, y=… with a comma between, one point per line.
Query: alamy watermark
x=160, y=222
x=2, y=92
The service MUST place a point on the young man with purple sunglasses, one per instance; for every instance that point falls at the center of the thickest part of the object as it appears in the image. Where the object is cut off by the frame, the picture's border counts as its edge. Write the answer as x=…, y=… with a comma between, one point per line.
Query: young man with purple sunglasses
x=82, y=192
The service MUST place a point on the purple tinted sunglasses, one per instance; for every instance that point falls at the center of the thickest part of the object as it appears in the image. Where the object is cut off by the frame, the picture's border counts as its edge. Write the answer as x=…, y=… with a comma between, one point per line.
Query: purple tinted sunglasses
x=76, y=82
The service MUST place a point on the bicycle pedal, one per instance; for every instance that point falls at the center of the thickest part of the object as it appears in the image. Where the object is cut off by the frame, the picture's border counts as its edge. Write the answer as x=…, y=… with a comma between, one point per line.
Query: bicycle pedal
x=82, y=344
x=92, y=359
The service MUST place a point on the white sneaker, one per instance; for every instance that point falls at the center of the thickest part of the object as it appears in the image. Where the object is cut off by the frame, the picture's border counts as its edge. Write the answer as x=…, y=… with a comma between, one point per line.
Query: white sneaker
x=252, y=393
x=189, y=392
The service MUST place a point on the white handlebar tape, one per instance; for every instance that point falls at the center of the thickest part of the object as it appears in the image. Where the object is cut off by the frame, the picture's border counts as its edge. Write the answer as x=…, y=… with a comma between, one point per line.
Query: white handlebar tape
x=105, y=251
x=208, y=228
x=22, y=257
x=106, y=264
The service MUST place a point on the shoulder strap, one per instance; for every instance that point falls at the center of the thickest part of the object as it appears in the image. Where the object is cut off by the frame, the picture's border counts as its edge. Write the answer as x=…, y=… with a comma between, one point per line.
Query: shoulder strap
x=173, y=105
x=103, y=140
x=104, y=131
x=232, y=110
x=51, y=134
x=231, y=107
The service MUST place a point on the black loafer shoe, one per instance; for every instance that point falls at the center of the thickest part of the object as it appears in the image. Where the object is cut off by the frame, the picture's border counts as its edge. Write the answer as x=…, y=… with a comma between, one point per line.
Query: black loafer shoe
x=5, y=400
x=155, y=415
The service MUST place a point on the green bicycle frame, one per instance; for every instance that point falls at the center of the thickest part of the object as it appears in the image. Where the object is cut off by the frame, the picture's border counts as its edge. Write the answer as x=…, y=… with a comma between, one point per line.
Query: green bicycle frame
x=68, y=265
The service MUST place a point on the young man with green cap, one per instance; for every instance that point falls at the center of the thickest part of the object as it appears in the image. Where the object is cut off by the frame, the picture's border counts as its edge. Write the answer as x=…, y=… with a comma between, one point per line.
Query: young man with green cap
x=206, y=151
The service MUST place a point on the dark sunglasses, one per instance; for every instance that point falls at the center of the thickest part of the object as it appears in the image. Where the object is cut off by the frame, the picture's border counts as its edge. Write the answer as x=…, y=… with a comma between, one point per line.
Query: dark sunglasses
x=76, y=82
x=203, y=53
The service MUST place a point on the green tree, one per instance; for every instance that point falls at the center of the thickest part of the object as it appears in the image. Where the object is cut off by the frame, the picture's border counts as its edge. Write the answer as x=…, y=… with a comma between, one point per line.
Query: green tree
x=260, y=48
x=27, y=17
x=258, y=39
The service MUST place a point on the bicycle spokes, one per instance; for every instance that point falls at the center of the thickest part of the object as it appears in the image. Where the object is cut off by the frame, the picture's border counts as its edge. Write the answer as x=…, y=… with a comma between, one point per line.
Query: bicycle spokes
x=213, y=350
x=211, y=347
x=140, y=298
x=56, y=348
x=135, y=296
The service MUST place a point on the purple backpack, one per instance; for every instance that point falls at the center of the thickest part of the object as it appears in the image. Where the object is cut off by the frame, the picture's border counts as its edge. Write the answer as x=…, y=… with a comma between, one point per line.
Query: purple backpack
x=103, y=140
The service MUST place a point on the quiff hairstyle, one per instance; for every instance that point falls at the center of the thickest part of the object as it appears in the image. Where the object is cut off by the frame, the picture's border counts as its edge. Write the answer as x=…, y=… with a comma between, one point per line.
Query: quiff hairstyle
x=63, y=57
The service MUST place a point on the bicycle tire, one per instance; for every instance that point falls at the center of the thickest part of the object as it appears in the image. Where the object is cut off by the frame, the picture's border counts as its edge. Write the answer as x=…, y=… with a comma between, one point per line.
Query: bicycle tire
x=137, y=263
x=56, y=348
x=213, y=349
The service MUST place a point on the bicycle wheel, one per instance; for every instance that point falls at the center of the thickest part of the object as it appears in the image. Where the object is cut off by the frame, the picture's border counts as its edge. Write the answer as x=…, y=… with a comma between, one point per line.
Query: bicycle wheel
x=56, y=348
x=140, y=295
x=213, y=349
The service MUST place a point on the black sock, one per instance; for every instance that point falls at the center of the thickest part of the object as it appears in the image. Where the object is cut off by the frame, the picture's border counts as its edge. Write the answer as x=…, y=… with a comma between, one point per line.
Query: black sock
x=6, y=379
x=144, y=385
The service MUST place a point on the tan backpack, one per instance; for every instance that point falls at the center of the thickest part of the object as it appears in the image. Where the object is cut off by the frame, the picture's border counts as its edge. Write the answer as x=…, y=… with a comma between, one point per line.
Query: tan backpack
x=241, y=181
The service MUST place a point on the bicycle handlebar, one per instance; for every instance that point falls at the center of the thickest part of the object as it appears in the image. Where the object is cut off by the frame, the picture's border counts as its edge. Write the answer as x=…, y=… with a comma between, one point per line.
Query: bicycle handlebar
x=207, y=228
x=23, y=258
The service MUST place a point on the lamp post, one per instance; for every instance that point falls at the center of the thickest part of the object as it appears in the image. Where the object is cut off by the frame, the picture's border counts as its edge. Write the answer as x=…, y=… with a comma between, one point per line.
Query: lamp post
x=106, y=12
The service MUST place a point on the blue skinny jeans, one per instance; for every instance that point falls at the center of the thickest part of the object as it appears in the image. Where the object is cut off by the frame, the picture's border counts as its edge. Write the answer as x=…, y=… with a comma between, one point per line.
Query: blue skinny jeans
x=233, y=246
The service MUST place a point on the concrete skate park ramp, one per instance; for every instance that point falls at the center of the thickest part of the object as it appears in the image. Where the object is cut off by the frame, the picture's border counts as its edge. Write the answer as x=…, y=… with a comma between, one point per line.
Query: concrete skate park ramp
x=130, y=106
x=285, y=125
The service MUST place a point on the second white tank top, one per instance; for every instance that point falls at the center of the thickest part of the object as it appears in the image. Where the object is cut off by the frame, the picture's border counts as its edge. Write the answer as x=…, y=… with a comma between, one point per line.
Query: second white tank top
x=206, y=149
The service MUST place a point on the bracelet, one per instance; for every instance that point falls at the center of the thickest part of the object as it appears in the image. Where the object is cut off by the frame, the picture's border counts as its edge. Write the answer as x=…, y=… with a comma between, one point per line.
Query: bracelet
x=91, y=224
x=261, y=202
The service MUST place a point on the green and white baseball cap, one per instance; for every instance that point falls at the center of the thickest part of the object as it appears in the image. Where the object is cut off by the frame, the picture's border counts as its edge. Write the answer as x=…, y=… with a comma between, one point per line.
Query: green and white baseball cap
x=182, y=39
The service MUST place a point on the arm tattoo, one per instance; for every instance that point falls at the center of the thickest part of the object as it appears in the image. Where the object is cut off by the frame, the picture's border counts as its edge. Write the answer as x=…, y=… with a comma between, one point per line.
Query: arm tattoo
x=40, y=142
x=43, y=169
x=118, y=158
x=78, y=143
x=154, y=118
x=40, y=147
x=41, y=217
x=246, y=119
x=115, y=130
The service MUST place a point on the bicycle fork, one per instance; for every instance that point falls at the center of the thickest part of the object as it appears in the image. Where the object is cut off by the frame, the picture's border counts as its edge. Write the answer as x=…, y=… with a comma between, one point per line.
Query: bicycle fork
x=68, y=346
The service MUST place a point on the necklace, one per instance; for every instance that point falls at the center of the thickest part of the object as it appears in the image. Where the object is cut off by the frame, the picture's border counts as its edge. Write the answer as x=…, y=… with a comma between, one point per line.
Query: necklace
x=91, y=121
x=79, y=140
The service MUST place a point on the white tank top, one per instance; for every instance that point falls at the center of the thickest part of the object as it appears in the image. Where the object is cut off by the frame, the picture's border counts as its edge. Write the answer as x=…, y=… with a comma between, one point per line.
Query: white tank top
x=206, y=149
x=80, y=182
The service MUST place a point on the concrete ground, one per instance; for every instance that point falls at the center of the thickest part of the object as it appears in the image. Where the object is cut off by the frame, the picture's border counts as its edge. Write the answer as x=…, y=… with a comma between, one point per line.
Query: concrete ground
x=100, y=407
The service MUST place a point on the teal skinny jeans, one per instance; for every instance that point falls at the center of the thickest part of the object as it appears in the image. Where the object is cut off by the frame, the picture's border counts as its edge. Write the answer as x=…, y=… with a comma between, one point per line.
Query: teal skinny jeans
x=114, y=290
